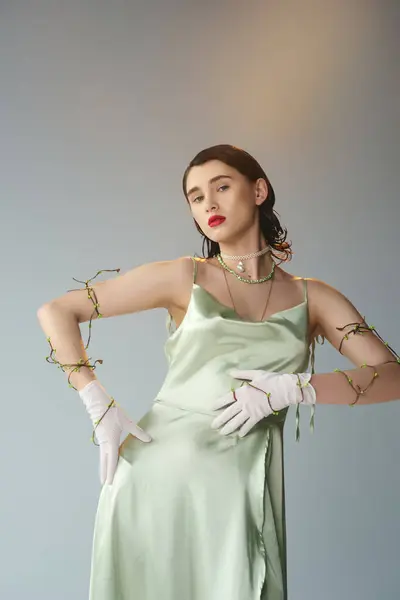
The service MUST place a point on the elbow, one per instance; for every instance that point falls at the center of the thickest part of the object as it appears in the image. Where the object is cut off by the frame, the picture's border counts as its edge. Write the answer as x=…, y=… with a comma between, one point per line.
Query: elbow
x=42, y=314
x=52, y=308
x=42, y=310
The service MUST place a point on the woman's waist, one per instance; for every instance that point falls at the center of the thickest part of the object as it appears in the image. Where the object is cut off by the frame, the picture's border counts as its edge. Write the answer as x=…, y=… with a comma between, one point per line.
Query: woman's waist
x=196, y=407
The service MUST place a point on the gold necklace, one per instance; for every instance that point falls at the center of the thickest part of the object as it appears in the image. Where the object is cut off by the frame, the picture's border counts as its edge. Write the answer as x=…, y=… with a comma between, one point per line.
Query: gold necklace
x=260, y=280
x=234, y=307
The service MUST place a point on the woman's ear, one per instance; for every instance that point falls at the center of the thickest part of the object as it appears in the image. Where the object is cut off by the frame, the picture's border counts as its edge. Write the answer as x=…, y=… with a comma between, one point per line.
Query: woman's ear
x=261, y=191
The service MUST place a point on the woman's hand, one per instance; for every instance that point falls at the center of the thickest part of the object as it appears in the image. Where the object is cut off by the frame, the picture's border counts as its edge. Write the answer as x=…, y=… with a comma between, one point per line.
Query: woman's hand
x=262, y=393
x=109, y=421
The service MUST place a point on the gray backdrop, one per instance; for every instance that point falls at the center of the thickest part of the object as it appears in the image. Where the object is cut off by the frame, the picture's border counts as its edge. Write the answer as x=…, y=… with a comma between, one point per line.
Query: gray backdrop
x=102, y=106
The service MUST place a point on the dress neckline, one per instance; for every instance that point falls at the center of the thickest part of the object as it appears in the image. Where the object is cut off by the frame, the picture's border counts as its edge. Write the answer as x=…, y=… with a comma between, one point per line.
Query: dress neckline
x=232, y=310
x=227, y=308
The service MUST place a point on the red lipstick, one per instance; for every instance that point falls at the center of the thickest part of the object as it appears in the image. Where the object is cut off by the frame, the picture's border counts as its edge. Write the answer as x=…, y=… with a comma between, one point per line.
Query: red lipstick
x=215, y=220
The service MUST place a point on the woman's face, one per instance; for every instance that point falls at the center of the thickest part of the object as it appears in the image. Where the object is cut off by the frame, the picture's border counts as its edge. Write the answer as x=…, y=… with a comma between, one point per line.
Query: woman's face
x=215, y=188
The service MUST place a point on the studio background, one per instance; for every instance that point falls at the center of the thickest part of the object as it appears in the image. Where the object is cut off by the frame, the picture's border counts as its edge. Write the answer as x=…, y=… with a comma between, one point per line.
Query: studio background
x=102, y=106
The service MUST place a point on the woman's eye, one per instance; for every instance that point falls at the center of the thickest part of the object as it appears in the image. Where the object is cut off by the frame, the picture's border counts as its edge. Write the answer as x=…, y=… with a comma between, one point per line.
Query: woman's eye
x=221, y=188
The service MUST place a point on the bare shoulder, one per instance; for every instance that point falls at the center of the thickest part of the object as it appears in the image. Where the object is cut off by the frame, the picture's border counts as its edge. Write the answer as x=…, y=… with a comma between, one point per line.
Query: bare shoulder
x=324, y=295
x=182, y=279
x=151, y=285
x=339, y=321
x=321, y=298
x=329, y=307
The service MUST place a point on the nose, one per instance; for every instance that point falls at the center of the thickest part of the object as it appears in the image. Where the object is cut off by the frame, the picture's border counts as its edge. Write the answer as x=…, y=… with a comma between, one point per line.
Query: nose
x=211, y=204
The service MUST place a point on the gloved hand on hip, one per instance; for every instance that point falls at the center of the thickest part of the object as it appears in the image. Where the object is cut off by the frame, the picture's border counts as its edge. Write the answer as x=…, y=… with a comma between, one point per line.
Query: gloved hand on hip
x=109, y=421
x=263, y=393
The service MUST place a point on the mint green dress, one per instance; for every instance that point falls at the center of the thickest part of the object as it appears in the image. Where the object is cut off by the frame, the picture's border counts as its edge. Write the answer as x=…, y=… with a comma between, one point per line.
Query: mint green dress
x=196, y=515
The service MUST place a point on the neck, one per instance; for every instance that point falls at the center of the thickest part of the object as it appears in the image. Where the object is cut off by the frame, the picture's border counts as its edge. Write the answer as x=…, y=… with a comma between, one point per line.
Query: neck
x=256, y=267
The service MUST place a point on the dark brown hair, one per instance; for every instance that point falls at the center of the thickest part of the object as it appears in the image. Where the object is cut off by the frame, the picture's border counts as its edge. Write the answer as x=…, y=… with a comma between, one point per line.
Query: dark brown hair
x=242, y=161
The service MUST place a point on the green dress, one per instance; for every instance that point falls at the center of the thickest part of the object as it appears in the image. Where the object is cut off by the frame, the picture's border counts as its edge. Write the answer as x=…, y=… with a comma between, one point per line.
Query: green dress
x=196, y=515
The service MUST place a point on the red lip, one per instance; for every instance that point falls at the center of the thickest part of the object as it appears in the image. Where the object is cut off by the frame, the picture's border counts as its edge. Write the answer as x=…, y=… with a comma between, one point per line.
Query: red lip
x=215, y=220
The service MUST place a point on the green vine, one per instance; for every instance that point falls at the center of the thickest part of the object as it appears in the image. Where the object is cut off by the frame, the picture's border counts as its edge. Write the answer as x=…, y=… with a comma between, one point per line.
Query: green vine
x=84, y=363
x=361, y=329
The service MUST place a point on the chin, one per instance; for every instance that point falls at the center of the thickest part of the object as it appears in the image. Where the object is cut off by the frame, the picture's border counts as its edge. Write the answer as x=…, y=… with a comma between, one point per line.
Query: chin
x=223, y=235
x=225, y=240
x=217, y=237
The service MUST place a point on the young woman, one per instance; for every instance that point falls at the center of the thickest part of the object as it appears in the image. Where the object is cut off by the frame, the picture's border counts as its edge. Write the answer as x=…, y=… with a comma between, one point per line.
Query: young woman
x=193, y=506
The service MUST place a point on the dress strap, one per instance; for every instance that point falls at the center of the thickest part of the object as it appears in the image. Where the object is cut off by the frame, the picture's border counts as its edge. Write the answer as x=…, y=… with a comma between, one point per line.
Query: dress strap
x=170, y=324
x=305, y=289
x=311, y=364
x=194, y=268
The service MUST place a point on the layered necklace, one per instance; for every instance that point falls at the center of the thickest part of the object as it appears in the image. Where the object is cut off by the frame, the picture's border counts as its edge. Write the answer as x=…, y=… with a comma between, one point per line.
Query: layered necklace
x=241, y=268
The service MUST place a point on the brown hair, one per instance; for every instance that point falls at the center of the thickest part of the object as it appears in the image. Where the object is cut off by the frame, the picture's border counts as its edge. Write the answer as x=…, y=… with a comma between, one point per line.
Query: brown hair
x=247, y=165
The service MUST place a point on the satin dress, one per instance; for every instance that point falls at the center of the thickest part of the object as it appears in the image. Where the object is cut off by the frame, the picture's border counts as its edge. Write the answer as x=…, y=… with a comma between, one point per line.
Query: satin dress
x=196, y=515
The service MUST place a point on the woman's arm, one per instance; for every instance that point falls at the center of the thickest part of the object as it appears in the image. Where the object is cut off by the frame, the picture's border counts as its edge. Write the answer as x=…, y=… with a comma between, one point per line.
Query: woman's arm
x=343, y=326
x=145, y=287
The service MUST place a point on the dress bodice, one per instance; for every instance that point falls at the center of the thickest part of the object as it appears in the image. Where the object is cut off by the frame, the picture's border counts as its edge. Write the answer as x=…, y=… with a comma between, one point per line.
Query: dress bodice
x=212, y=339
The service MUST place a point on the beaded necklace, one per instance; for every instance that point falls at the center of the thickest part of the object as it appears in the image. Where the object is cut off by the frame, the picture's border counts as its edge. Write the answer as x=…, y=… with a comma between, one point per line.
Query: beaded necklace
x=260, y=280
x=240, y=266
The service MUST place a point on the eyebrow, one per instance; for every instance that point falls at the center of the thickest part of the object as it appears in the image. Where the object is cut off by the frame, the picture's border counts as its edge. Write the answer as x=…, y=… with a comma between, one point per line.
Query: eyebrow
x=212, y=180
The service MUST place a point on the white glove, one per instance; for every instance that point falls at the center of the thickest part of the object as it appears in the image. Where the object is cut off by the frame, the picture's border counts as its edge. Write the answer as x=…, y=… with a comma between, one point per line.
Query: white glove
x=108, y=430
x=276, y=392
